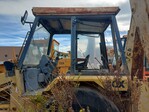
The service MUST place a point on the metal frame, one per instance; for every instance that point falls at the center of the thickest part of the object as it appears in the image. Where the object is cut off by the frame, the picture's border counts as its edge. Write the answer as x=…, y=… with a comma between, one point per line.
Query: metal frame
x=115, y=27
x=114, y=41
x=114, y=31
x=73, y=44
x=98, y=18
x=103, y=51
x=125, y=40
x=28, y=43
x=50, y=44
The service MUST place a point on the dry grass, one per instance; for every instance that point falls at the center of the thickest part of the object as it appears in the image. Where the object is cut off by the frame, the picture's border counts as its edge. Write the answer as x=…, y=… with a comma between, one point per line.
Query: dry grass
x=114, y=95
x=124, y=103
x=63, y=94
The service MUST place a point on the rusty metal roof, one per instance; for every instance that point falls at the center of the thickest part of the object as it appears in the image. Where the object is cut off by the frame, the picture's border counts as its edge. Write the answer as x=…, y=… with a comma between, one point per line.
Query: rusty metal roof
x=88, y=20
x=75, y=10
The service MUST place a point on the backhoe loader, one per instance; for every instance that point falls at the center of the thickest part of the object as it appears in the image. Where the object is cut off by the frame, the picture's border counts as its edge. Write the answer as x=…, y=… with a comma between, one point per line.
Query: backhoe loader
x=89, y=68
x=89, y=83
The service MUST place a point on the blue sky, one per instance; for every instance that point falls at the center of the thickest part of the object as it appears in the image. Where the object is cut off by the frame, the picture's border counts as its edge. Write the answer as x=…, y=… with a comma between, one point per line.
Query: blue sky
x=12, y=32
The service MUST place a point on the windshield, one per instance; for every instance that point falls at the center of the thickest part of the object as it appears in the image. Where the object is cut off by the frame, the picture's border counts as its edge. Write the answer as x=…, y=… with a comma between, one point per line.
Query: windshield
x=38, y=46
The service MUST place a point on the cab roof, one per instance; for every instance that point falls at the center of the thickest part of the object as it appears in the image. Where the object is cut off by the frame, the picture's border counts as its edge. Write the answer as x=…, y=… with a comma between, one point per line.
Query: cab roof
x=74, y=11
x=91, y=20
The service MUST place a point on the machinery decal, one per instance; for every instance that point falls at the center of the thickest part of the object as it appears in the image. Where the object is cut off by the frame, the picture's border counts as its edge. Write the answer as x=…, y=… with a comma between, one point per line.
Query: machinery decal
x=118, y=84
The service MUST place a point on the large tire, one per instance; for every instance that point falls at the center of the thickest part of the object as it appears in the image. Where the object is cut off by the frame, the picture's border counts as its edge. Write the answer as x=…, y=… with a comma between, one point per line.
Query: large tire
x=86, y=97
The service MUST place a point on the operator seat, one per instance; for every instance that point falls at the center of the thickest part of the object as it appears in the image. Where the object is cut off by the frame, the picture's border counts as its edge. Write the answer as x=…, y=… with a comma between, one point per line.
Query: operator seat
x=83, y=65
x=46, y=66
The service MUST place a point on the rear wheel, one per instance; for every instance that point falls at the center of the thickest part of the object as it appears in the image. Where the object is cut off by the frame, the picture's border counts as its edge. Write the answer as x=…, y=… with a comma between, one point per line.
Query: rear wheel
x=93, y=101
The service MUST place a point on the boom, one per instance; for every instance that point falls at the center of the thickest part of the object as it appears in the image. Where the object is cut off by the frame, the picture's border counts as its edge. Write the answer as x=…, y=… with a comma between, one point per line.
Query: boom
x=137, y=44
x=137, y=47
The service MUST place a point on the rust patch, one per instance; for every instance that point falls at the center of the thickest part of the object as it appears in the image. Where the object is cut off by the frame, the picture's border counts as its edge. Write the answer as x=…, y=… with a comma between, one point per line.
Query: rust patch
x=138, y=56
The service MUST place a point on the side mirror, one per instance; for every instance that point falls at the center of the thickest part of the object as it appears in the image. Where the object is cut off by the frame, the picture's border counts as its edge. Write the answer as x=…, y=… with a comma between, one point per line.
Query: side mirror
x=24, y=18
x=9, y=66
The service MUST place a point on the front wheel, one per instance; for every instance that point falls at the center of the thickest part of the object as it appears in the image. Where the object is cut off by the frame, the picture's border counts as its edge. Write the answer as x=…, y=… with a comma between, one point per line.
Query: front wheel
x=92, y=101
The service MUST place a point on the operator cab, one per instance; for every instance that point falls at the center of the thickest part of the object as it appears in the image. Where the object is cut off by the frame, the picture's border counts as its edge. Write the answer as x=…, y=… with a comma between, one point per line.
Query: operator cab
x=85, y=28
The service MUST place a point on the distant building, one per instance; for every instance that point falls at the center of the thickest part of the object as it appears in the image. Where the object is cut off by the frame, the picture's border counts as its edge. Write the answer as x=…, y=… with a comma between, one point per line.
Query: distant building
x=8, y=53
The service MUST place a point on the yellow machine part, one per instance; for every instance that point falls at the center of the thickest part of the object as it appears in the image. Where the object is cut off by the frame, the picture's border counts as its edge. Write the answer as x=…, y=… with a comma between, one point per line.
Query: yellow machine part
x=54, y=47
x=2, y=68
x=144, y=97
x=63, y=65
x=4, y=107
x=99, y=80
